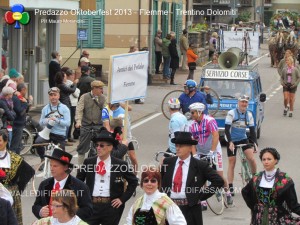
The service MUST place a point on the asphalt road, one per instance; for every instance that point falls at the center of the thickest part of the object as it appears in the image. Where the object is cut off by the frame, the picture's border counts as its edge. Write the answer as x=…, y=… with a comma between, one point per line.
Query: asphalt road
x=277, y=131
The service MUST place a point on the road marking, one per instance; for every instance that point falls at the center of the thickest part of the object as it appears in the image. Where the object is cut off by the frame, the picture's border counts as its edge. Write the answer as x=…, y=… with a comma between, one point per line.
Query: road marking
x=258, y=59
x=145, y=121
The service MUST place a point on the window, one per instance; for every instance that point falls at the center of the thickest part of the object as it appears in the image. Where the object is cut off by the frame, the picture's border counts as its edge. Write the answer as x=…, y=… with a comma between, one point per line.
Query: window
x=95, y=28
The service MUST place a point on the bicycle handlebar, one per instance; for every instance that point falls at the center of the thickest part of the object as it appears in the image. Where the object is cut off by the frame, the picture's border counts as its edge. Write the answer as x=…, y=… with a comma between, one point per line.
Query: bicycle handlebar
x=160, y=153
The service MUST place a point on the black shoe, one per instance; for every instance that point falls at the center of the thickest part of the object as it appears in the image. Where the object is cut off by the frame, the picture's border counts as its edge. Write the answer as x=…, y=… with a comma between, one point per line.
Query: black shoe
x=172, y=83
x=71, y=140
x=290, y=114
x=284, y=112
x=158, y=72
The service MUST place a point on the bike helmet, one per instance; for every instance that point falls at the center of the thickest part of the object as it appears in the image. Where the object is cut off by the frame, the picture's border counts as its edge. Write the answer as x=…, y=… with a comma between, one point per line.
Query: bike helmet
x=197, y=107
x=191, y=85
x=174, y=103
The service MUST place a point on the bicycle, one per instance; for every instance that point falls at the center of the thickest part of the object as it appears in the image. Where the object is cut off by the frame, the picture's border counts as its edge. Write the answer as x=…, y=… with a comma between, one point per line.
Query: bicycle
x=30, y=133
x=245, y=173
x=212, y=110
x=127, y=159
x=42, y=171
x=217, y=202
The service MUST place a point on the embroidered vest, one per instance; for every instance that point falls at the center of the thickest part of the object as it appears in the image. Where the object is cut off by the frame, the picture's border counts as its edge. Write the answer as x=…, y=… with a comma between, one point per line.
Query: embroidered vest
x=159, y=207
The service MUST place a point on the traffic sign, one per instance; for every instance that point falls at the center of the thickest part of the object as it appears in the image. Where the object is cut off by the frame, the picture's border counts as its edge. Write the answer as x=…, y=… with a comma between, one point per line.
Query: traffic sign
x=82, y=34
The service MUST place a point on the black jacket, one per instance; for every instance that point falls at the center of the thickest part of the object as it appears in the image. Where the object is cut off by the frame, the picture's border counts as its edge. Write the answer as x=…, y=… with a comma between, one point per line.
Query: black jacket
x=199, y=172
x=7, y=215
x=65, y=92
x=84, y=84
x=119, y=173
x=54, y=67
x=174, y=64
x=81, y=191
x=20, y=109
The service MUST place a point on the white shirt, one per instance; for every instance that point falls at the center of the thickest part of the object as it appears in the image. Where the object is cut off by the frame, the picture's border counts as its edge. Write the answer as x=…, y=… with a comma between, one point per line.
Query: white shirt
x=174, y=215
x=185, y=169
x=61, y=183
x=102, y=183
x=5, y=163
x=74, y=221
x=268, y=184
x=5, y=194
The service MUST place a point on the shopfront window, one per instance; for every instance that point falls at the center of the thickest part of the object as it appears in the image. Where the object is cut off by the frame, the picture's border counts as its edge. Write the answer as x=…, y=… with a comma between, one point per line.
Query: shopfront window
x=42, y=34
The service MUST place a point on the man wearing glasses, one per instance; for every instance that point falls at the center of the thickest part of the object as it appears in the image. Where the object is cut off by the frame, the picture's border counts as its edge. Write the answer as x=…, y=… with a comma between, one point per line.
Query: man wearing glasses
x=204, y=129
x=236, y=123
x=89, y=116
x=105, y=176
x=56, y=118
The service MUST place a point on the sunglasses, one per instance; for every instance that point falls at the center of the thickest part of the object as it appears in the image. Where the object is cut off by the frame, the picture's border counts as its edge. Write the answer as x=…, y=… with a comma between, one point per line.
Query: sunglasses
x=152, y=181
x=53, y=89
x=101, y=145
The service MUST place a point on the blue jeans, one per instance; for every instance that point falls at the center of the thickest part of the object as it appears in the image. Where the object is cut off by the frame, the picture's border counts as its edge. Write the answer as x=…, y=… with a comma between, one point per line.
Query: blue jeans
x=16, y=140
x=166, y=70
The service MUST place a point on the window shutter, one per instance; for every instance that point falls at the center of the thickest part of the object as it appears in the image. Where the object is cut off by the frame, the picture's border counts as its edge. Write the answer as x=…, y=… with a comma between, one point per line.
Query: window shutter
x=95, y=28
x=165, y=19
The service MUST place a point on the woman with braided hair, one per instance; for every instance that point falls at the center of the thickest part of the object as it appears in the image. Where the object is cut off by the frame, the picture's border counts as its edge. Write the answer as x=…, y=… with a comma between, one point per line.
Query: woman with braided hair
x=271, y=193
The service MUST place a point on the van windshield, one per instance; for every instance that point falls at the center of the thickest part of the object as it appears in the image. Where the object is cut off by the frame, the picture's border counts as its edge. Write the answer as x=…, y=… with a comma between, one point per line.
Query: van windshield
x=231, y=89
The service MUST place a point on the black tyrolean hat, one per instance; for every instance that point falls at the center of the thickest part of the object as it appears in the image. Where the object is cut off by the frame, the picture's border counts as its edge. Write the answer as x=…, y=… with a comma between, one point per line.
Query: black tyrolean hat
x=184, y=138
x=61, y=156
x=105, y=136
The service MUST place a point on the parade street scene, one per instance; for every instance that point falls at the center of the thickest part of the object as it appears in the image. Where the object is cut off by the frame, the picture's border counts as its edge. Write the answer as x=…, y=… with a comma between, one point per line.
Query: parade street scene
x=149, y=112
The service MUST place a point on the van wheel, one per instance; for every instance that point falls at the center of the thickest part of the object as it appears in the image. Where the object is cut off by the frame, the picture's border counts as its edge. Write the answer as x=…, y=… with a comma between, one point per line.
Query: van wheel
x=258, y=133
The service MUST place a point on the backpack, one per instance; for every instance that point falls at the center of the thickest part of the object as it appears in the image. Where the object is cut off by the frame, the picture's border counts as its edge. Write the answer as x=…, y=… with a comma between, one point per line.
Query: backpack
x=3, y=83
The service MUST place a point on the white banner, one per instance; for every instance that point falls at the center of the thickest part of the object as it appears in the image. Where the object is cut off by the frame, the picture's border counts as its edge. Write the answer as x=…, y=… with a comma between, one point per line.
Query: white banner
x=129, y=76
x=236, y=39
x=227, y=74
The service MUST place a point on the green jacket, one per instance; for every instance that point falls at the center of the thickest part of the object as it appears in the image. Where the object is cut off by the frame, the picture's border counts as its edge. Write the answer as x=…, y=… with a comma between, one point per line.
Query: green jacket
x=165, y=47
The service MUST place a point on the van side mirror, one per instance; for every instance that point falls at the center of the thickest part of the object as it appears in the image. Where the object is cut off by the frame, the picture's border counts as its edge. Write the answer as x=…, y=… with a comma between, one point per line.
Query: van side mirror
x=262, y=97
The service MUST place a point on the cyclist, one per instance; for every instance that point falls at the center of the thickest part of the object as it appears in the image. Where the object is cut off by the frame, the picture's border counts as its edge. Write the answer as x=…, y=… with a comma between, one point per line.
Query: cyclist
x=236, y=122
x=204, y=129
x=192, y=95
x=178, y=122
x=60, y=114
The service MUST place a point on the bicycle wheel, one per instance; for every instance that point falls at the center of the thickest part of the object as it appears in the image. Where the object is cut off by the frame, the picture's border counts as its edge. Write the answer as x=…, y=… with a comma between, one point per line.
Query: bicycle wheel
x=212, y=108
x=27, y=141
x=216, y=203
x=164, y=103
x=134, y=142
x=42, y=172
x=225, y=199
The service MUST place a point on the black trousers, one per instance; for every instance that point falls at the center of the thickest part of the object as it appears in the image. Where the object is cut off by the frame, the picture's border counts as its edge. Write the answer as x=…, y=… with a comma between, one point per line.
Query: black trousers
x=72, y=111
x=158, y=60
x=192, y=215
x=105, y=214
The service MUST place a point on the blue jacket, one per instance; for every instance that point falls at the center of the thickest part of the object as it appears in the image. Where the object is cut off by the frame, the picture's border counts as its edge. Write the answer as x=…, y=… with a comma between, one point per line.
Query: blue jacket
x=186, y=101
x=62, y=115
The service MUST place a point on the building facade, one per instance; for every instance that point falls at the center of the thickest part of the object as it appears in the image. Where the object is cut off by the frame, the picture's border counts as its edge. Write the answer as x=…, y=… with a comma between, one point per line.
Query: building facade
x=123, y=24
x=28, y=49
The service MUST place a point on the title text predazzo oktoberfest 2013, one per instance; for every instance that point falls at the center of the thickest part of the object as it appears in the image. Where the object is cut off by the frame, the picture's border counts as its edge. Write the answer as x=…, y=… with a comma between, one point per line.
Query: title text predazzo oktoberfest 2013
x=129, y=12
